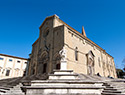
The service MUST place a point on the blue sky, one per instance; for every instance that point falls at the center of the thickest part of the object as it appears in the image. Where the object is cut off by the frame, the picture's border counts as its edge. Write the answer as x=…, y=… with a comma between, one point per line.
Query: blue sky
x=103, y=20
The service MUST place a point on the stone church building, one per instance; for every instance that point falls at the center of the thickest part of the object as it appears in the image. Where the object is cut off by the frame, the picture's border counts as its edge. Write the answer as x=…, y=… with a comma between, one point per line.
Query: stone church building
x=61, y=47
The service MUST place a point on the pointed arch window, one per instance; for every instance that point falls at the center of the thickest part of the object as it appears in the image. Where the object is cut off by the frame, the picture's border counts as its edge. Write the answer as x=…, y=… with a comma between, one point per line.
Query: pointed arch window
x=76, y=54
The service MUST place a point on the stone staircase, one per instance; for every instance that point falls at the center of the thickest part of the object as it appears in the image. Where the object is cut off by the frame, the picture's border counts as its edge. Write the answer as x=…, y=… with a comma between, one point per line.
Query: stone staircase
x=15, y=90
x=109, y=90
x=64, y=82
x=3, y=90
x=112, y=86
x=119, y=85
x=11, y=86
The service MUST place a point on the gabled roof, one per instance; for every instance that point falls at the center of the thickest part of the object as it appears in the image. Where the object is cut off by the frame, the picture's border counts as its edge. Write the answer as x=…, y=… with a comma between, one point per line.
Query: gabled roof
x=83, y=36
x=49, y=17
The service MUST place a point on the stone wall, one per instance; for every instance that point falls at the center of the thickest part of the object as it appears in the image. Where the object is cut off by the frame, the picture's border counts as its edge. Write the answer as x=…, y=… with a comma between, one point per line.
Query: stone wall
x=103, y=62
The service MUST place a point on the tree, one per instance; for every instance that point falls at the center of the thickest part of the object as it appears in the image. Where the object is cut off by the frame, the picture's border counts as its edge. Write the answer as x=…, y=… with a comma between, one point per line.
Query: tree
x=120, y=73
x=124, y=64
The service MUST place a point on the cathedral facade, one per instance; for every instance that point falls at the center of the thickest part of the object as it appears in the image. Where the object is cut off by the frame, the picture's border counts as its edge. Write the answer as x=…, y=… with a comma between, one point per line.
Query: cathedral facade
x=61, y=47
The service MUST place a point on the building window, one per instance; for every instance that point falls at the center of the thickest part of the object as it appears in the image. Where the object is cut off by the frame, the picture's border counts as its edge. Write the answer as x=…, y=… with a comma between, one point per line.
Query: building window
x=18, y=61
x=7, y=72
x=76, y=54
x=1, y=58
x=10, y=60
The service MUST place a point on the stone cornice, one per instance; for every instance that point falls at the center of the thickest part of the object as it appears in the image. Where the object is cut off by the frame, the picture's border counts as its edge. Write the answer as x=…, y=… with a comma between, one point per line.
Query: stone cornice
x=13, y=56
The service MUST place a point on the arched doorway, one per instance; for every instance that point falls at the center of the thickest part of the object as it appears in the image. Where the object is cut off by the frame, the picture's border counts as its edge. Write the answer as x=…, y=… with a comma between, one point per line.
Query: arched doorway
x=42, y=63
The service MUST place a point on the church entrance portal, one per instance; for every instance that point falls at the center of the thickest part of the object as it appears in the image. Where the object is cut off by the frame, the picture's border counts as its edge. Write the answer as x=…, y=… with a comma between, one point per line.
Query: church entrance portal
x=42, y=63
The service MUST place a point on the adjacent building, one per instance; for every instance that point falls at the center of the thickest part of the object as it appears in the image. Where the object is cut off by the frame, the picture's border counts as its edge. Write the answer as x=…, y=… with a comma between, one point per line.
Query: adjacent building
x=61, y=47
x=12, y=66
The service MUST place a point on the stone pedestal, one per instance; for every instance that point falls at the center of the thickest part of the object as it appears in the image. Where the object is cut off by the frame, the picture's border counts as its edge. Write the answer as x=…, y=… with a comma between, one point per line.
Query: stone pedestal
x=63, y=74
x=63, y=65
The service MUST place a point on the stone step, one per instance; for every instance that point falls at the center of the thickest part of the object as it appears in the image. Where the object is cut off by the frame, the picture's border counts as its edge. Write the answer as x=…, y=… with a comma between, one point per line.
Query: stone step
x=111, y=91
x=13, y=90
x=109, y=87
x=3, y=91
x=63, y=90
x=61, y=87
x=105, y=85
x=49, y=82
x=15, y=93
x=16, y=88
x=71, y=85
x=63, y=71
x=67, y=86
x=63, y=76
x=4, y=88
x=7, y=86
x=119, y=87
x=121, y=83
x=67, y=81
